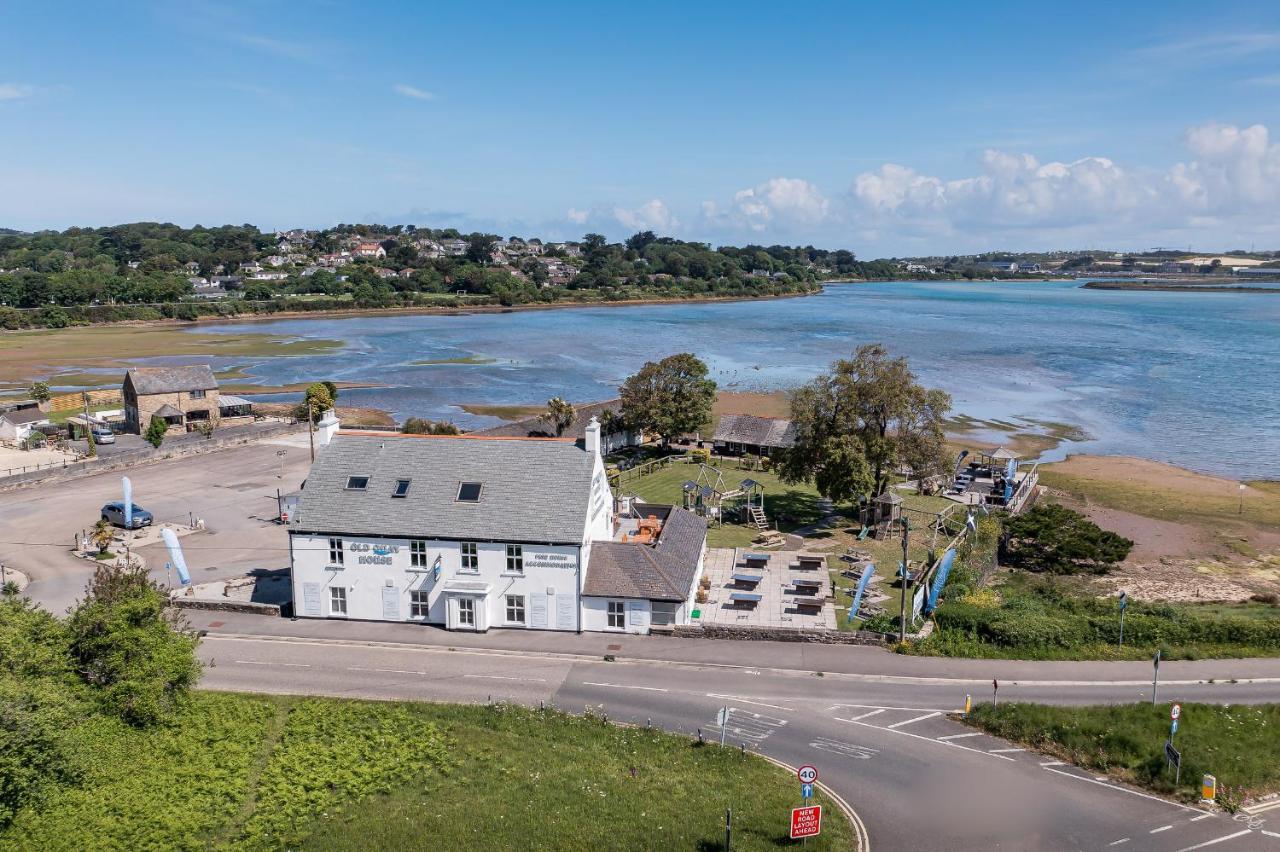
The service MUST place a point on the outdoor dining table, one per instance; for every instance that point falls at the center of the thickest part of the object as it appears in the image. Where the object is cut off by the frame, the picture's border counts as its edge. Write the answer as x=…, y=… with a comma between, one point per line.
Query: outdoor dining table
x=755, y=560
x=748, y=579
x=747, y=599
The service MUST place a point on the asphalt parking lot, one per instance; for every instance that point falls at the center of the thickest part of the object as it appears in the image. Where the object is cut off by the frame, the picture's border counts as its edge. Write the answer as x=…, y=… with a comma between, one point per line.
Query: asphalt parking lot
x=233, y=491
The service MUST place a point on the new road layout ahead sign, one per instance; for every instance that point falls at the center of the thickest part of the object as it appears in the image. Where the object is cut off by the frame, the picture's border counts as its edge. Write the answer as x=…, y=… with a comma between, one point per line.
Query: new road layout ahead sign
x=806, y=822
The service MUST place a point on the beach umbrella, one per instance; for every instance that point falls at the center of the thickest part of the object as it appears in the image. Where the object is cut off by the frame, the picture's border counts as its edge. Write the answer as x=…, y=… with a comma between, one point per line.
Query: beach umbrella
x=862, y=587
x=128, y=502
x=175, y=555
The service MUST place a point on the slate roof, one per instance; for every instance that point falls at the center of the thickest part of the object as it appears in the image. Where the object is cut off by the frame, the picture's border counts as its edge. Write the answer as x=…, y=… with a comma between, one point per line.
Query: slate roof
x=660, y=572
x=149, y=380
x=539, y=427
x=533, y=491
x=760, y=431
x=23, y=416
x=167, y=410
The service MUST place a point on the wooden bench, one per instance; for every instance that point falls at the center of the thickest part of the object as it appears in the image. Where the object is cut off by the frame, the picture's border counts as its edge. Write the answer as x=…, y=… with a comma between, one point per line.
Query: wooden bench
x=747, y=600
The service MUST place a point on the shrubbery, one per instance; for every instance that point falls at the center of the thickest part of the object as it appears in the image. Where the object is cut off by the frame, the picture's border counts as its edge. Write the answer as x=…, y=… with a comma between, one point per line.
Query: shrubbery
x=1056, y=540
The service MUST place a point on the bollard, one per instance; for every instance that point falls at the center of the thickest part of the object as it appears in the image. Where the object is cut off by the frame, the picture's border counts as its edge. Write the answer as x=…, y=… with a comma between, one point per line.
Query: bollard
x=648, y=723
x=700, y=740
x=968, y=704
x=744, y=749
x=542, y=706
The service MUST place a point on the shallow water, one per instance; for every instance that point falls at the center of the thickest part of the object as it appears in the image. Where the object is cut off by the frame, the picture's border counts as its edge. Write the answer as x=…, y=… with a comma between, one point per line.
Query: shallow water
x=1188, y=378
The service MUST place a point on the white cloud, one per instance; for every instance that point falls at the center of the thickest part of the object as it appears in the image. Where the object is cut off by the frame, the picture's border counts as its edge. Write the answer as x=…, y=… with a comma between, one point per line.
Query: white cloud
x=778, y=203
x=651, y=216
x=413, y=92
x=578, y=217
x=295, y=50
x=15, y=91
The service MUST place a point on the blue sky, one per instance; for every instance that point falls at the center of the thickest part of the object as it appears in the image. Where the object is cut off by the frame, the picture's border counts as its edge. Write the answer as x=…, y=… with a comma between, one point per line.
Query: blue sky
x=885, y=128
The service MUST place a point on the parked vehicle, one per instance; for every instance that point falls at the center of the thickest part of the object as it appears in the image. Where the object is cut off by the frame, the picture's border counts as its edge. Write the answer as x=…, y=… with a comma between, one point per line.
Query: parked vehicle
x=113, y=513
x=103, y=435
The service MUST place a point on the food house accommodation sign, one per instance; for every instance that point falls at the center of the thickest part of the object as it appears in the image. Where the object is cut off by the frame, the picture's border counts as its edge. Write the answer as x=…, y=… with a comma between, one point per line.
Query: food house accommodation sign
x=549, y=560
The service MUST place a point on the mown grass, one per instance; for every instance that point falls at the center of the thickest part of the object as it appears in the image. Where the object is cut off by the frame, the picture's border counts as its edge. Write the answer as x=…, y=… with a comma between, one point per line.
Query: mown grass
x=260, y=772
x=1237, y=744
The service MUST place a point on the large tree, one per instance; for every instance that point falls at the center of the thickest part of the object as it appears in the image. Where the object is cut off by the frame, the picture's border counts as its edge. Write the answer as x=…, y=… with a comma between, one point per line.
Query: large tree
x=859, y=422
x=669, y=397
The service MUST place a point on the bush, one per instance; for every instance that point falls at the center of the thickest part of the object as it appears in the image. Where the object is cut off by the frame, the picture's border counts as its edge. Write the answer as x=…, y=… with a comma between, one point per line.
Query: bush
x=156, y=430
x=1057, y=540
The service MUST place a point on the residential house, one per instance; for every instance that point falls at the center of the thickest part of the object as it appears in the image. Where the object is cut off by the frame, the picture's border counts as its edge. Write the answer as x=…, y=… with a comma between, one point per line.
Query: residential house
x=455, y=248
x=185, y=398
x=250, y=266
x=276, y=260
x=472, y=532
x=747, y=434
x=17, y=426
x=269, y=276
x=369, y=248
x=191, y=267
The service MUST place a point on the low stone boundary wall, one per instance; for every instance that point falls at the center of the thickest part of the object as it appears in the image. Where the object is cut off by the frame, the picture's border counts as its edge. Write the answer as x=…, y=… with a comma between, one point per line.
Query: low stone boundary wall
x=780, y=634
x=147, y=455
x=226, y=606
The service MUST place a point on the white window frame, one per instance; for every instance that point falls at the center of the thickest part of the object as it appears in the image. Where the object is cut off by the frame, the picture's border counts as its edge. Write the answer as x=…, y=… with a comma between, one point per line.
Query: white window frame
x=516, y=604
x=419, y=603
x=618, y=610
x=417, y=553
x=515, y=559
x=470, y=557
x=335, y=552
x=467, y=605
x=338, y=598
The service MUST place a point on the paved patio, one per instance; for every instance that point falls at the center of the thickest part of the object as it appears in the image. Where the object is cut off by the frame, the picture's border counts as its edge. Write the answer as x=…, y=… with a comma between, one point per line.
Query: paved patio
x=778, y=603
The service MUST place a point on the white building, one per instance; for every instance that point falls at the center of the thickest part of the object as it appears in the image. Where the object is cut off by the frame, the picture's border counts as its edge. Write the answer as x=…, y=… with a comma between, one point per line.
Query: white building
x=477, y=532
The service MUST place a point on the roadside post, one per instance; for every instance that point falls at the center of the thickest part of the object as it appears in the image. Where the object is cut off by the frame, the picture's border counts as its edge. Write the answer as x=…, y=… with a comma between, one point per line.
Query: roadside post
x=1124, y=604
x=1172, y=755
x=168, y=577
x=1241, y=511
x=280, y=454
x=906, y=572
x=968, y=703
x=808, y=774
x=995, y=692
x=1208, y=788
x=722, y=719
x=1155, y=676
x=728, y=829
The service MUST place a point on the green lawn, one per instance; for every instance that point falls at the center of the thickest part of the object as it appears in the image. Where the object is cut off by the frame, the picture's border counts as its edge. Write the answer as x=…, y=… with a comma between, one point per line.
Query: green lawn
x=1236, y=743
x=261, y=772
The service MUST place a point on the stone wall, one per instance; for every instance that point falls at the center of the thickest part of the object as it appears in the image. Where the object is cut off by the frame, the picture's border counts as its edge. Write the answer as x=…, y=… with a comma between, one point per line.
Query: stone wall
x=780, y=634
x=226, y=606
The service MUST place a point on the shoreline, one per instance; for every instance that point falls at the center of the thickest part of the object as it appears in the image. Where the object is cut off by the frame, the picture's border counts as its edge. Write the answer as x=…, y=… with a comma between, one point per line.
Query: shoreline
x=1140, y=287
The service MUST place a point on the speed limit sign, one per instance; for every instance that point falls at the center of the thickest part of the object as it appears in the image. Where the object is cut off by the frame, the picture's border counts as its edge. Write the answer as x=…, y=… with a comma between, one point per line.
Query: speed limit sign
x=807, y=774
x=1175, y=712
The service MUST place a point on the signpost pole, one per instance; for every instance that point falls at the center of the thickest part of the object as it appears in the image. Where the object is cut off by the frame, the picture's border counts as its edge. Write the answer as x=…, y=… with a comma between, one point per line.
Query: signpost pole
x=902, y=620
x=724, y=722
x=1155, y=677
x=995, y=690
x=728, y=829
x=1124, y=604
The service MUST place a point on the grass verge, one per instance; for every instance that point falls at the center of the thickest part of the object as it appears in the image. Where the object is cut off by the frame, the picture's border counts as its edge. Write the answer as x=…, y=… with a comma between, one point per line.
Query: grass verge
x=1235, y=743
x=262, y=772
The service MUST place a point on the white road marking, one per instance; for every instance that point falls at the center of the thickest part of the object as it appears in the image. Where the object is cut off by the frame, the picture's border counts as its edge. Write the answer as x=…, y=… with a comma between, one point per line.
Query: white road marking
x=1202, y=816
x=926, y=739
x=268, y=663
x=745, y=724
x=1269, y=833
x=1264, y=806
x=624, y=686
x=385, y=671
x=511, y=677
x=1217, y=840
x=864, y=715
x=1004, y=750
x=886, y=707
x=1118, y=842
x=896, y=725
x=1160, y=829
x=747, y=701
x=844, y=749
x=1053, y=763
x=1048, y=767
x=960, y=736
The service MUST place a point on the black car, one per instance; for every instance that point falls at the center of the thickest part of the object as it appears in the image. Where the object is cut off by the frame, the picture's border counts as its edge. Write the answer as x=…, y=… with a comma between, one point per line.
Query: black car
x=113, y=513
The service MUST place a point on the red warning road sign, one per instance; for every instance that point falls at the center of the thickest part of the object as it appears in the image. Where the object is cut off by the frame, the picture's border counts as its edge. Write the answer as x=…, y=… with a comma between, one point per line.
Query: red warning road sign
x=806, y=822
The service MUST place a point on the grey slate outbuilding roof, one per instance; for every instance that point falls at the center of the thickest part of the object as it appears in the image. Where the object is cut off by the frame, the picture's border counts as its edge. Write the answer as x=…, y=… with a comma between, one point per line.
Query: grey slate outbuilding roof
x=759, y=431
x=533, y=491
x=23, y=416
x=661, y=572
x=149, y=380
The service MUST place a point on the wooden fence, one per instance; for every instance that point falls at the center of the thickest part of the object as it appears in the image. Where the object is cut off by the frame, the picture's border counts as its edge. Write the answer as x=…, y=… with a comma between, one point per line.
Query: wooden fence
x=97, y=398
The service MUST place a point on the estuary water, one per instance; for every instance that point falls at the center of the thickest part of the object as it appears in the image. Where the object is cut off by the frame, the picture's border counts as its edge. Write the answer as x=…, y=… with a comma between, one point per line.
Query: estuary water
x=1188, y=378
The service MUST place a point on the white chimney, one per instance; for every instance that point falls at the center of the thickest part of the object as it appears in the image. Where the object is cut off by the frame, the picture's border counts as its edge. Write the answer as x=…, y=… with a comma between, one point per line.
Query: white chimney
x=325, y=427
x=591, y=436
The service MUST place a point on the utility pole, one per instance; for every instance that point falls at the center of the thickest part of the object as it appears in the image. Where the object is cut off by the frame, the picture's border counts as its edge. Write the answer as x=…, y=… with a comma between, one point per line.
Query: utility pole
x=902, y=616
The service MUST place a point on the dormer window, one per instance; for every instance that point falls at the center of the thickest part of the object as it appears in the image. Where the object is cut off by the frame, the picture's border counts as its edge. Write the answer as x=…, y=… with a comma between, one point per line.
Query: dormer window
x=401, y=489
x=469, y=492
x=357, y=483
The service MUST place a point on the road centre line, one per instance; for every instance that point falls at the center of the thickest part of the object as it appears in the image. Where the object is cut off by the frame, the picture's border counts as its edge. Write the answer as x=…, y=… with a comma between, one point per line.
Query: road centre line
x=961, y=736
x=623, y=686
x=1160, y=829
x=508, y=677
x=270, y=663
x=1202, y=816
x=742, y=700
x=1217, y=840
x=1049, y=768
x=384, y=671
x=912, y=721
x=1118, y=842
x=926, y=739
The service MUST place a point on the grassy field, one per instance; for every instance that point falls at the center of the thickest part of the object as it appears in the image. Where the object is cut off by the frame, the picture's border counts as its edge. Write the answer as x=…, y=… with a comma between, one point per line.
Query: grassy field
x=1236, y=743
x=258, y=772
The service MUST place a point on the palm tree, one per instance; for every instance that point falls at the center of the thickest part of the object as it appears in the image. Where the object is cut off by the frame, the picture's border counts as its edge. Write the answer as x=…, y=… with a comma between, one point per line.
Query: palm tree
x=560, y=414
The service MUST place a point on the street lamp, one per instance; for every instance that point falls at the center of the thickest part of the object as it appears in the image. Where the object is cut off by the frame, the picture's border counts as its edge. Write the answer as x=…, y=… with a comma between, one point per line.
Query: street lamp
x=902, y=616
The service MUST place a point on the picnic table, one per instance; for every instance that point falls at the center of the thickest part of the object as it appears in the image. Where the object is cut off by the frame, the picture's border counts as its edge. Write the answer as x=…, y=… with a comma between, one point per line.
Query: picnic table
x=807, y=587
x=809, y=605
x=755, y=560
x=745, y=599
x=747, y=579
x=809, y=562
x=770, y=538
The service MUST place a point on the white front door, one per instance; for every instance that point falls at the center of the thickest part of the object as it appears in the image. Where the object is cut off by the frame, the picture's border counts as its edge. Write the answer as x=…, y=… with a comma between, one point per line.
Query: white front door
x=467, y=613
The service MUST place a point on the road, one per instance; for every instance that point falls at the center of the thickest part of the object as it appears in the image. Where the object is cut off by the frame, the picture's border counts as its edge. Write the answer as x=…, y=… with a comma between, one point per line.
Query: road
x=879, y=726
x=889, y=745
x=233, y=491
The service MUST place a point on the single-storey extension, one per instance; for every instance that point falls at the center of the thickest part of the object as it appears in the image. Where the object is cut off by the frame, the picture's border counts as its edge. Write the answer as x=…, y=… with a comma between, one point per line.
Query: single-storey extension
x=472, y=532
x=739, y=434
